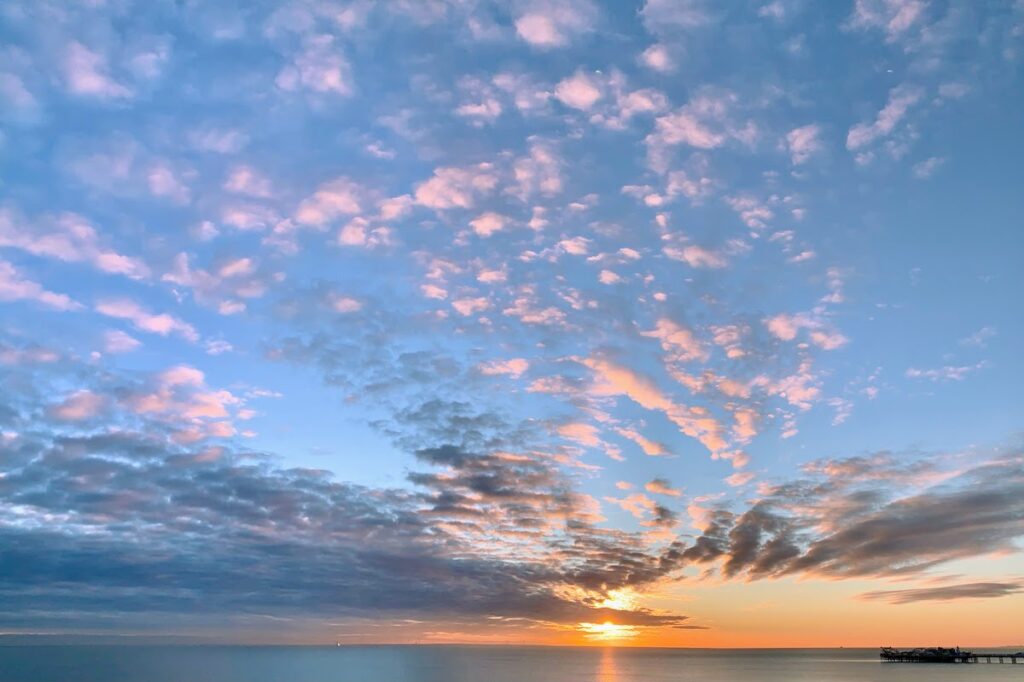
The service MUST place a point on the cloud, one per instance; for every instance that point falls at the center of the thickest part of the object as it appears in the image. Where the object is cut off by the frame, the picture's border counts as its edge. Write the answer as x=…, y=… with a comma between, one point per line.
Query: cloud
x=584, y=434
x=977, y=590
x=649, y=447
x=456, y=187
x=22, y=105
x=662, y=16
x=894, y=17
x=679, y=343
x=740, y=478
x=696, y=256
x=339, y=197
x=612, y=378
x=514, y=367
x=320, y=67
x=548, y=24
x=68, y=237
x=116, y=341
x=945, y=373
x=539, y=172
x=901, y=99
x=470, y=306
x=980, y=338
x=162, y=324
x=85, y=73
x=219, y=140
x=657, y=57
x=164, y=182
x=488, y=223
x=579, y=91
x=705, y=122
x=659, y=486
x=15, y=287
x=786, y=327
x=927, y=168
x=79, y=406
x=248, y=181
x=803, y=143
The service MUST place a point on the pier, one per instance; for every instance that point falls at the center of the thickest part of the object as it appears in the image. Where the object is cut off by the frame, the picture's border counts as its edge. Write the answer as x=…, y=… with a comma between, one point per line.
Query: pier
x=941, y=655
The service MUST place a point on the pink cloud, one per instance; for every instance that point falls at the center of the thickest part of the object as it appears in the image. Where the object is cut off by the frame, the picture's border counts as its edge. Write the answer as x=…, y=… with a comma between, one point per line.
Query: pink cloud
x=339, y=197
x=162, y=324
x=513, y=367
x=803, y=143
x=85, y=73
x=79, y=406
x=584, y=434
x=116, y=341
x=456, y=187
x=70, y=238
x=469, y=306
x=901, y=99
x=15, y=287
x=553, y=23
x=661, y=487
x=579, y=91
x=649, y=447
x=679, y=343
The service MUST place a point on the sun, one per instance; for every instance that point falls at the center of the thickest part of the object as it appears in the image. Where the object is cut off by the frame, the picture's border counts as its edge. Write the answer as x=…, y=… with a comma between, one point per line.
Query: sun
x=608, y=631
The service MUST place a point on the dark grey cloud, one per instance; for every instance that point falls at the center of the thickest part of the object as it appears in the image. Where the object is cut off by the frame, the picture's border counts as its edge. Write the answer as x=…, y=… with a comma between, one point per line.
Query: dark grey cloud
x=851, y=518
x=979, y=590
x=106, y=521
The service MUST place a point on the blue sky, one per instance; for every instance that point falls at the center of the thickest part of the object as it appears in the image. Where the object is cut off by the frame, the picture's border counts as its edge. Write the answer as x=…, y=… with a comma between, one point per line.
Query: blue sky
x=652, y=261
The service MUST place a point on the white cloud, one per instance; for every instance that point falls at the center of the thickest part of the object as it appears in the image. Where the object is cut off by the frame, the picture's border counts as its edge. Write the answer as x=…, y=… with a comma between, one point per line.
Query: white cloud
x=925, y=169
x=980, y=338
x=945, y=373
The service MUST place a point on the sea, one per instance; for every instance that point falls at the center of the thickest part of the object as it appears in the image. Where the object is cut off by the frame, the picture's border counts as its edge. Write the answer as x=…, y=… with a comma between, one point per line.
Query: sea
x=53, y=663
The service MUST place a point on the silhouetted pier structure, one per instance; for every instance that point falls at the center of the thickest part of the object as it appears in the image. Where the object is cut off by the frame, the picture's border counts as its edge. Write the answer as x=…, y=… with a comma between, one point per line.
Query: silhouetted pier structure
x=941, y=655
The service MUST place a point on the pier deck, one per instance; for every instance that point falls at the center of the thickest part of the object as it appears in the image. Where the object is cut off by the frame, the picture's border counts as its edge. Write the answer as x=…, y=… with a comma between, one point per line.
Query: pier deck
x=941, y=655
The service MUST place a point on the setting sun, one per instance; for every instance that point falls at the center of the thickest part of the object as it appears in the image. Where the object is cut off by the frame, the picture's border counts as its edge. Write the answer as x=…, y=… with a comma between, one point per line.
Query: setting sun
x=608, y=631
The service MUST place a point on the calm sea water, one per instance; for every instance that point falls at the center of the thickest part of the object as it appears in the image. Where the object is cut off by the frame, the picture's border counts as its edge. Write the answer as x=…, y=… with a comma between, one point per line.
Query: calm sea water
x=467, y=664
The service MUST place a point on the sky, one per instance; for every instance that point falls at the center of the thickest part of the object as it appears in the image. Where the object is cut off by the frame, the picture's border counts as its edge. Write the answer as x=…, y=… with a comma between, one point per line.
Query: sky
x=647, y=322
